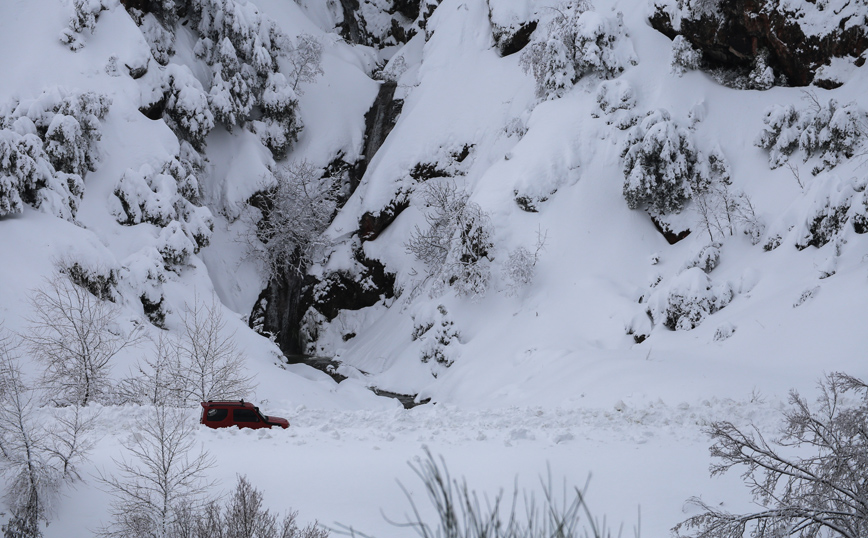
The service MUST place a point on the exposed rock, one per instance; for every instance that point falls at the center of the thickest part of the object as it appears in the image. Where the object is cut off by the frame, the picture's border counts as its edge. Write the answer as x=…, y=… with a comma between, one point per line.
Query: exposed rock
x=745, y=27
x=510, y=40
x=341, y=290
x=666, y=231
x=279, y=309
x=372, y=225
x=381, y=119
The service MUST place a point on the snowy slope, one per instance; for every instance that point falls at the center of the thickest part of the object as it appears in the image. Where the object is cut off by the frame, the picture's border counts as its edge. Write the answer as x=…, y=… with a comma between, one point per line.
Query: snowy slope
x=546, y=376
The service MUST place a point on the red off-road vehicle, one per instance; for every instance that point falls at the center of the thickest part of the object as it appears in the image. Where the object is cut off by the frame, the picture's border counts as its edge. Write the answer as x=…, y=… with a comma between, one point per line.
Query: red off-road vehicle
x=222, y=414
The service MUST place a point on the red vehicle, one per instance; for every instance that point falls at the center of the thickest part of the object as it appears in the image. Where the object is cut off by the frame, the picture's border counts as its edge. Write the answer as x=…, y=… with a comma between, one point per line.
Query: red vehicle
x=223, y=414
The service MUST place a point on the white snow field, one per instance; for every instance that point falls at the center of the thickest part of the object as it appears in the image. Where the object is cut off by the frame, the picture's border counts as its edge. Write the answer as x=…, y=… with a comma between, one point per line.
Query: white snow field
x=547, y=377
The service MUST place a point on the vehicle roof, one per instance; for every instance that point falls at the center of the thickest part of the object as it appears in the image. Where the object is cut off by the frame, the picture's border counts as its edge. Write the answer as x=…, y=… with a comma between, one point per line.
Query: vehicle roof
x=228, y=403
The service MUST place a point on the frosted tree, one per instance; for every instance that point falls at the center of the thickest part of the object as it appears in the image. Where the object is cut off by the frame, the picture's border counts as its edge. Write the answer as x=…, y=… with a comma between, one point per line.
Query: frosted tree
x=75, y=337
x=809, y=481
x=305, y=60
x=210, y=366
x=158, y=475
x=294, y=214
x=245, y=516
x=659, y=161
x=38, y=456
x=722, y=209
x=456, y=244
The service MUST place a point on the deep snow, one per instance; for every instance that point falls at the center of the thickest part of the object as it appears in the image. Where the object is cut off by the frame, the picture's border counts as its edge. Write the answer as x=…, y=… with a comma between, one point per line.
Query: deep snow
x=548, y=376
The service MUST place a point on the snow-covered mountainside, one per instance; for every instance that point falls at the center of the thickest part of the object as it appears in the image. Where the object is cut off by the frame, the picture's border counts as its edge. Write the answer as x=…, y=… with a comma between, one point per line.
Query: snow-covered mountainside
x=579, y=229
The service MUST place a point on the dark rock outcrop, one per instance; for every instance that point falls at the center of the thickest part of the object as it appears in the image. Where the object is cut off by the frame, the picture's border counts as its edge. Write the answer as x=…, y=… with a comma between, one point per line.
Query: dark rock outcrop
x=342, y=291
x=743, y=28
x=279, y=309
x=371, y=225
x=512, y=40
x=381, y=119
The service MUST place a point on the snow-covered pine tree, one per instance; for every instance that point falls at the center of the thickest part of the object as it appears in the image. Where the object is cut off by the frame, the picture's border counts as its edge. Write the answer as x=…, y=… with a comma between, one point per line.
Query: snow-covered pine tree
x=659, y=163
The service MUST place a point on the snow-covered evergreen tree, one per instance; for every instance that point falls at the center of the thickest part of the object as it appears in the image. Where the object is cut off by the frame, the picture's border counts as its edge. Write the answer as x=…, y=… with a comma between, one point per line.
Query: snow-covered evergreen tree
x=659, y=161
x=830, y=131
x=576, y=42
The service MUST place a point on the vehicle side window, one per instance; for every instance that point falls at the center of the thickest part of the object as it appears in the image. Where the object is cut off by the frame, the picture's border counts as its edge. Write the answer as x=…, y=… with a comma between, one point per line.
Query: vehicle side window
x=245, y=415
x=216, y=415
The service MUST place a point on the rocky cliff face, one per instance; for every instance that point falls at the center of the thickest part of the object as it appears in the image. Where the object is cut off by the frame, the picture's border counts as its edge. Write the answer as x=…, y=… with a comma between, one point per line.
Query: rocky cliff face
x=733, y=34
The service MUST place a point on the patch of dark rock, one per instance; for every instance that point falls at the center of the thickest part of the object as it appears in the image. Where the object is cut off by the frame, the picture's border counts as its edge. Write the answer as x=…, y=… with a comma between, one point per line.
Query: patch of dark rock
x=381, y=119
x=512, y=40
x=744, y=28
x=371, y=225
x=426, y=171
x=340, y=290
x=666, y=231
x=154, y=111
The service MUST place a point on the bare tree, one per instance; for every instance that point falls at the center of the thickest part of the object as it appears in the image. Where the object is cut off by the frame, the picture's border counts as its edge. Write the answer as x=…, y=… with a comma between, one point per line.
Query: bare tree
x=818, y=494
x=456, y=244
x=75, y=336
x=295, y=213
x=158, y=378
x=208, y=362
x=243, y=516
x=305, y=61
x=38, y=458
x=157, y=477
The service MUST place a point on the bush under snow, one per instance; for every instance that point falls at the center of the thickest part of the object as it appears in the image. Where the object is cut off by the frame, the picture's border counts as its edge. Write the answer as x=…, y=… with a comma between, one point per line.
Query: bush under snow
x=685, y=301
x=659, y=163
x=829, y=131
x=576, y=42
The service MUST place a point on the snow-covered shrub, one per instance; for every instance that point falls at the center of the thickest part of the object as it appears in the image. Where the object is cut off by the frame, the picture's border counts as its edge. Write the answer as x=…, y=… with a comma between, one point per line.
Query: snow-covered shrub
x=187, y=106
x=683, y=303
x=576, y=42
x=160, y=40
x=724, y=331
x=684, y=56
x=615, y=95
x=519, y=269
x=68, y=125
x=84, y=16
x=100, y=280
x=830, y=131
x=762, y=76
x=659, y=161
x=616, y=99
x=174, y=246
x=437, y=333
x=144, y=272
x=27, y=176
x=706, y=259
x=824, y=224
x=520, y=266
x=396, y=67
x=161, y=197
x=455, y=245
x=281, y=123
